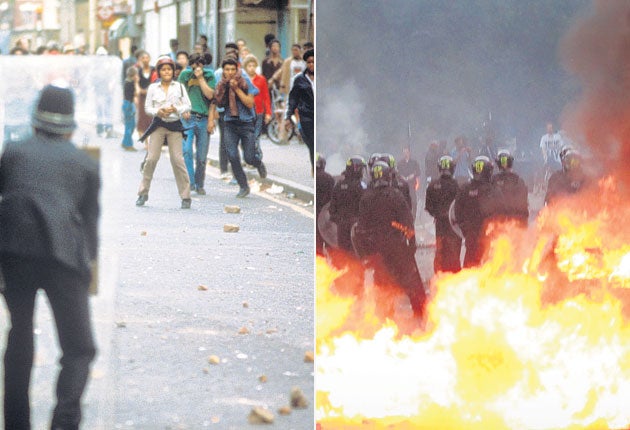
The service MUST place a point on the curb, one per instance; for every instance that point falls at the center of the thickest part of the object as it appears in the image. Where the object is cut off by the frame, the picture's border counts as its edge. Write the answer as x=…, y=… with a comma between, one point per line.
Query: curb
x=298, y=191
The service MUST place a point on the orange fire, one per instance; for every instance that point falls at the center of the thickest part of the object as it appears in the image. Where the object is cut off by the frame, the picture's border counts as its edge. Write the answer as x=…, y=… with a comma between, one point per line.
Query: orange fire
x=536, y=338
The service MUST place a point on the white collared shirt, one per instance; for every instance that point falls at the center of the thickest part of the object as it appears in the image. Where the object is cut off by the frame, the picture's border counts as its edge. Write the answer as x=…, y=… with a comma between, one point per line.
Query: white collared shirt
x=176, y=95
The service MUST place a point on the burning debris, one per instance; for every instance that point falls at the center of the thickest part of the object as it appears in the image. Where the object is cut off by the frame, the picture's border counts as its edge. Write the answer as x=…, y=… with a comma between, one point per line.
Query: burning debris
x=538, y=337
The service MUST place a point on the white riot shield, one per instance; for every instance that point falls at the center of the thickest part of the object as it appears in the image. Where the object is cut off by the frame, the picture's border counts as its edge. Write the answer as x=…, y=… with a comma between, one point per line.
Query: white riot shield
x=95, y=80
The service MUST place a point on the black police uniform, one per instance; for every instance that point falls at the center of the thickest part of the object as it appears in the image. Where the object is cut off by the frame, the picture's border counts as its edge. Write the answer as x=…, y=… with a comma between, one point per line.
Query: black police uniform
x=476, y=202
x=563, y=183
x=324, y=184
x=440, y=194
x=344, y=209
x=514, y=191
x=385, y=227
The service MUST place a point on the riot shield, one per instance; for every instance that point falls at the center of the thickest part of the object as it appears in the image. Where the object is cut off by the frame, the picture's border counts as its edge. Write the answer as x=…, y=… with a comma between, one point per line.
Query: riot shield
x=453, y=221
x=327, y=228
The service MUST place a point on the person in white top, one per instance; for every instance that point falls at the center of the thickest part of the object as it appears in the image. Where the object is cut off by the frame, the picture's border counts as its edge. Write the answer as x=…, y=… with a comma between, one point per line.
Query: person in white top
x=167, y=101
x=551, y=145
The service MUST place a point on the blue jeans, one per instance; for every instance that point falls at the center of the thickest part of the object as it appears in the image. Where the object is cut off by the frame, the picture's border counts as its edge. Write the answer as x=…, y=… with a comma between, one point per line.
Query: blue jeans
x=129, y=112
x=258, y=126
x=199, y=131
x=243, y=132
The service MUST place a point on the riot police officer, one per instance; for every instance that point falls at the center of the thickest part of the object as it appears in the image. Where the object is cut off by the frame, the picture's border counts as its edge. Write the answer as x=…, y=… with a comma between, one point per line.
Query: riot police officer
x=569, y=180
x=324, y=184
x=441, y=192
x=344, y=202
x=385, y=229
x=476, y=202
x=512, y=187
x=397, y=180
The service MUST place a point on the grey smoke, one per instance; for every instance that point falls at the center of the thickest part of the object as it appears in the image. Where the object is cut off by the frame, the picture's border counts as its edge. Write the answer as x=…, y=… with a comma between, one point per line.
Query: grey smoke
x=441, y=67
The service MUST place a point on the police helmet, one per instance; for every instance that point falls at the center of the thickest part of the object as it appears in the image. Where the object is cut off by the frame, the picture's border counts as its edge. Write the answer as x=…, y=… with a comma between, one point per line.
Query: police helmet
x=373, y=159
x=565, y=149
x=389, y=159
x=504, y=159
x=572, y=160
x=355, y=166
x=320, y=162
x=482, y=168
x=446, y=165
x=381, y=174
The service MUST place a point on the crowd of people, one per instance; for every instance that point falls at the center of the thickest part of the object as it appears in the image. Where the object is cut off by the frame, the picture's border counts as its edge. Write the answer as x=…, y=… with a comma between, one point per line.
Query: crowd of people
x=183, y=95
x=372, y=205
x=157, y=108
x=237, y=96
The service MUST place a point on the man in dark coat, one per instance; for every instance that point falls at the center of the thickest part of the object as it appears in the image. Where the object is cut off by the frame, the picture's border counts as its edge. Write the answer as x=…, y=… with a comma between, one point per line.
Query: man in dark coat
x=570, y=180
x=48, y=239
x=441, y=192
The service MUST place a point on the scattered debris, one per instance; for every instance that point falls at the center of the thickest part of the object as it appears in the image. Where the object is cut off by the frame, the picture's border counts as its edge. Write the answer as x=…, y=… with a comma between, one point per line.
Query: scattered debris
x=309, y=357
x=262, y=378
x=245, y=304
x=290, y=195
x=260, y=415
x=228, y=209
x=243, y=330
x=275, y=189
x=121, y=324
x=213, y=359
x=298, y=399
x=206, y=370
x=143, y=233
x=202, y=287
x=284, y=410
x=231, y=228
x=272, y=330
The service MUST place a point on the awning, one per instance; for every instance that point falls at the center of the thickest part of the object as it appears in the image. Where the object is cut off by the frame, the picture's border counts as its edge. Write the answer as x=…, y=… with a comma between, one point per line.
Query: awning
x=118, y=29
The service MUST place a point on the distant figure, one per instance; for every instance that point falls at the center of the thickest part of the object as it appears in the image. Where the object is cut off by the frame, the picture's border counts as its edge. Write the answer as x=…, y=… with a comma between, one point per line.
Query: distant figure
x=462, y=156
x=49, y=240
x=130, y=91
x=409, y=170
x=431, y=162
x=174, y=44
x=145, y=71
x=550, y=146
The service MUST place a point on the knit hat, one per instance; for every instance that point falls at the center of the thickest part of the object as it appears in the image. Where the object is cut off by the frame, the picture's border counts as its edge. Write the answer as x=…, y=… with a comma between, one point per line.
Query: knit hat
x=54, y=111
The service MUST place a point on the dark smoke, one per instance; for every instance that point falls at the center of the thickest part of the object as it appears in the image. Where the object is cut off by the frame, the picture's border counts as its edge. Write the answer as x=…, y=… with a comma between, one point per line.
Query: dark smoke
x=597, y=51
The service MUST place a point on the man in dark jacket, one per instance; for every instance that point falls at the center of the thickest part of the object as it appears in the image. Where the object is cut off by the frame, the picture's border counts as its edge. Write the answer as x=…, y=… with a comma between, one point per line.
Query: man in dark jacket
x=48, y=239
x=570, y=180
x=440, y=194
x=301, y=98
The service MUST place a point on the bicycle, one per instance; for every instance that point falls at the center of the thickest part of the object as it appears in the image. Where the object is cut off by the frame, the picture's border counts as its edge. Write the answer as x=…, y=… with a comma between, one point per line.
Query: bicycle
x=273, y=128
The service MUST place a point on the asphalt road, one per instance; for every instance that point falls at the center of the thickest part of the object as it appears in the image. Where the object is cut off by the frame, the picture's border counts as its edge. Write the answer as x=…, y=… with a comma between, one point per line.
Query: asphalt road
x=176, y=289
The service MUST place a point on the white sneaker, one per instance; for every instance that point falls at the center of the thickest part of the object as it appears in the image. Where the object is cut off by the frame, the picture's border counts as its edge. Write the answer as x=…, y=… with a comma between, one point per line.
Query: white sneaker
x=225, y=175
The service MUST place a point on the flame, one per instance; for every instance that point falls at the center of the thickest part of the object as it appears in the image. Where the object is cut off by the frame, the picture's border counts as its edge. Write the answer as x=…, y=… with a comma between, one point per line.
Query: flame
x=536, y=338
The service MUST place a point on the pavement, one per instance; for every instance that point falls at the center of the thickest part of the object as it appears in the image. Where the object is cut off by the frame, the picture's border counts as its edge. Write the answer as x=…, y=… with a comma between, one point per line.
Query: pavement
x=194, y=326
